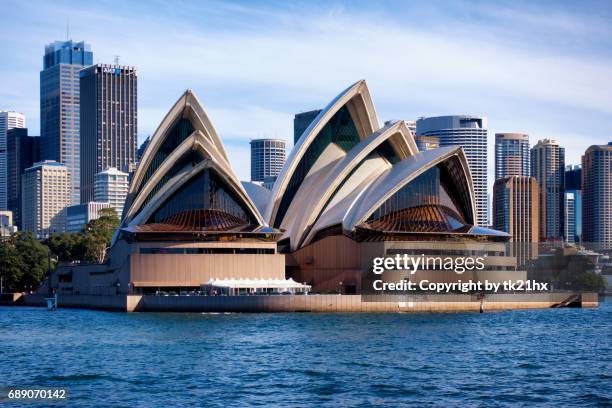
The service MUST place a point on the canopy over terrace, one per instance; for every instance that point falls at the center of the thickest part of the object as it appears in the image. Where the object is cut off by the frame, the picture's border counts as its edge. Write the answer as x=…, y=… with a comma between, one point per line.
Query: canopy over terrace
x=255, y=286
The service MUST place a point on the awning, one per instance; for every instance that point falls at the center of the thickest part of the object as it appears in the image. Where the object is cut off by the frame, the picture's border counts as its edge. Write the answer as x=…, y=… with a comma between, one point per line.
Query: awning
x=257, y=284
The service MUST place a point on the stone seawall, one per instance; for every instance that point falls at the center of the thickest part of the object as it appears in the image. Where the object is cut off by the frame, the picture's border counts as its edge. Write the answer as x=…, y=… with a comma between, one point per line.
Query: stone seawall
x=300, y=303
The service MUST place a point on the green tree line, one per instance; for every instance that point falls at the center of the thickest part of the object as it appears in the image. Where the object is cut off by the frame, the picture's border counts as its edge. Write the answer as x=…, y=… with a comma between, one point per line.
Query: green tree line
x=24, y=261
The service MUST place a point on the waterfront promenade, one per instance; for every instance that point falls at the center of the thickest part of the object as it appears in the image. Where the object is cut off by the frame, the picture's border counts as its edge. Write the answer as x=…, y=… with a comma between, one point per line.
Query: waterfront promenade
x=313, y=303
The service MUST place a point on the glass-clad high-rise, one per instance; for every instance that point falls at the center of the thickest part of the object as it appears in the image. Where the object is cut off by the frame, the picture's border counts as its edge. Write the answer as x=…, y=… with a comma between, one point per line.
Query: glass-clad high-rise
x=60, y=105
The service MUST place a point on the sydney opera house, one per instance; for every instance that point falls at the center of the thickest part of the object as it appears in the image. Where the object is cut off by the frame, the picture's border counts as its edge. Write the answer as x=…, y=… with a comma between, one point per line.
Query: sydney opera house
x=351, y=190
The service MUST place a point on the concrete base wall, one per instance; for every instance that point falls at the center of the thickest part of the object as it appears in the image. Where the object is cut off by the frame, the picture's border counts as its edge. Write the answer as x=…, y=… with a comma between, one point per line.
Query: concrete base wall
x=297, y=303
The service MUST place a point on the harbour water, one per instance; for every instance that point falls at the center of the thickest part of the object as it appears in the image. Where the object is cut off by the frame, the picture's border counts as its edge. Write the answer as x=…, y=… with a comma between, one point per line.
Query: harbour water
x=560, y=357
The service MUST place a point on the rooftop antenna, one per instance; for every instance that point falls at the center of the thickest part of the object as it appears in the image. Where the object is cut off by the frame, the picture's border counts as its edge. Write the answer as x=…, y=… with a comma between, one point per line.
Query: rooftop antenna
x=117, y=60
x=67, y=30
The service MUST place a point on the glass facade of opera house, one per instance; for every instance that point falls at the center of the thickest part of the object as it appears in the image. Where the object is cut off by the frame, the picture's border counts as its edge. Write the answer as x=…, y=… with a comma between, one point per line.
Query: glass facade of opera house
x=351, y=190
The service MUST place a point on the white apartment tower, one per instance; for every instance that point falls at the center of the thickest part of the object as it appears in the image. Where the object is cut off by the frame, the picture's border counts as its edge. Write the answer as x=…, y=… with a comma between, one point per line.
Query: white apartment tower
x=111, y=186
x=46, y=192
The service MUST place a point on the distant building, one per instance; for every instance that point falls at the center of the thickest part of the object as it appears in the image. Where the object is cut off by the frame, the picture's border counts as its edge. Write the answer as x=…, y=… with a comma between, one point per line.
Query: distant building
x=573, y=198
x=267, y=158
x=60, y=106
x=301, y=121
x=511, y=155
x=77, y=216
x=573, y=177
x=469, y=132
x=8, y=120
x=268, y=182
x=108, y=122
x=425, y=143
x=516, y=208
x=548, y=168
x=7, y=226
x=111, y=186
x=516, y=211
x=597, y=195
x=22, y=152
x=569, y=220
x=46, y=192
x=142, y=149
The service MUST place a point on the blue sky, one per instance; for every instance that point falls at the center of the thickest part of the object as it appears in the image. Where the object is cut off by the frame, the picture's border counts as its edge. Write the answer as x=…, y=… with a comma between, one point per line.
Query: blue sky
x=544, y=68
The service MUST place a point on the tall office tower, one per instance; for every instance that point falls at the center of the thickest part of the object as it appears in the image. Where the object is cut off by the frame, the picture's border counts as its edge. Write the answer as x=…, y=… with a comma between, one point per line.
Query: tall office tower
x=469, y=132
x=8, y=120
x=22, y=152
x=511, y=155
x=108, y=122
x=548, y=168
x=267, y=158
x=46, y=192
x=516, y=208
x=427, y=142
x=60, y=106
x=301, y=121
x=516, y=211
x=111, y=186
x=597, y=195
x=573, y=196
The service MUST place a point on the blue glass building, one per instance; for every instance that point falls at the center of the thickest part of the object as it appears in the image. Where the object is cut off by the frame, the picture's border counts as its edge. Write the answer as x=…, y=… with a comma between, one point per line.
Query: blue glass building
x=60, y=105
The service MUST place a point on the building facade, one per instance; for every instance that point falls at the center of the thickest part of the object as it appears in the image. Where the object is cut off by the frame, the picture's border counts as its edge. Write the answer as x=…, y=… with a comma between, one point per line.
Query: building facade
x=511, y=155
x=301, y=121
x=573, y=192
x=548, y=168
x=469, y=132
x=77, y=216
x=425, y=143
x=108, y=124
x=7, y=225
x=516, y=208
x=60, y=106
x=111, y=186
x=22, y=152
x=597, y=195
x=8, y=120
x=46, y=192
x=267, y=158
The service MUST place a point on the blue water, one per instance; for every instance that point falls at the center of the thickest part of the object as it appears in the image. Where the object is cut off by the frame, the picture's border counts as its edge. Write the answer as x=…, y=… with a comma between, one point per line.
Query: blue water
x=552, y=357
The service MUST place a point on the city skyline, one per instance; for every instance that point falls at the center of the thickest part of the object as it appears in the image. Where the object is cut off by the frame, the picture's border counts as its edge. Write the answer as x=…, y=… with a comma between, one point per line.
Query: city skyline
x=277, y=83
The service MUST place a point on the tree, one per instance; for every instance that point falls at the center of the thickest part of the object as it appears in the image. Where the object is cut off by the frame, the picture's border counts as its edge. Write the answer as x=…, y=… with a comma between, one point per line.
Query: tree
x=11, y=266
x=36, y=260
x=24, y=262
x=67, y=247
x=98, y=234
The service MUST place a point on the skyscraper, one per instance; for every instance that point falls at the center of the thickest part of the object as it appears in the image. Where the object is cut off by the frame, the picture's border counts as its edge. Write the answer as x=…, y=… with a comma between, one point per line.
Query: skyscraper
x=108, y=122
x=516, y=208
x=111, y=186
x=573, y=197
x=511, y=155
x=516, y=211
x=301, y=121
x=22, y=152
x=8, y=120
x=469, y=132
x=46, y=194
x=267, y=158
x=597, y=195
x=60, y=106
x=548, y=168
